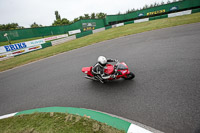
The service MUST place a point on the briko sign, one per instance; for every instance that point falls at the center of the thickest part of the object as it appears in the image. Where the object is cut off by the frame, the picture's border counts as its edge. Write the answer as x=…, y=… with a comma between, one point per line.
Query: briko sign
x=17, y=46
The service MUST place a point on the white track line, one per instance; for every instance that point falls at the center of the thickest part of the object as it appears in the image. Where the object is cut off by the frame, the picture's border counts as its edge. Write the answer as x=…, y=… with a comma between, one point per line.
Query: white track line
x=8, y=115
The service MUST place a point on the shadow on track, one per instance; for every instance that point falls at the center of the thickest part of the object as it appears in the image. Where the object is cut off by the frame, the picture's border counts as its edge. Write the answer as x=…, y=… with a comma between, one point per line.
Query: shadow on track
x=115, y=84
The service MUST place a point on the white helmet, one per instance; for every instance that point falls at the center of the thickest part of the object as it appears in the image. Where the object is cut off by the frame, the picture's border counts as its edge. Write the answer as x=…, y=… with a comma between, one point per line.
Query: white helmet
x=102, y=60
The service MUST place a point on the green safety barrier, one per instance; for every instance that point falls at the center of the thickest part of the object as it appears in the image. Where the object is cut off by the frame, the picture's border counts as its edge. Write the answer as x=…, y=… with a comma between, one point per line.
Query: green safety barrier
x=149, y=12
x=49, y=30
x=196, y=10
x=129, y=22
x=83, y=34
x=108, y=27
x=47, y=44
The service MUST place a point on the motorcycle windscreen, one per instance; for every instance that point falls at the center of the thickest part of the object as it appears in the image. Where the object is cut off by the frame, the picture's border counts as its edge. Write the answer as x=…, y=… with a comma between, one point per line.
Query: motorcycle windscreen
x=109, y=69
x=122, y=67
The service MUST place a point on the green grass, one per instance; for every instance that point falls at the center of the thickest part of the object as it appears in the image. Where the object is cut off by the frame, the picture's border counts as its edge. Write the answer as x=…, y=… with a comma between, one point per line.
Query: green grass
x=98, y=37
x=54, y=123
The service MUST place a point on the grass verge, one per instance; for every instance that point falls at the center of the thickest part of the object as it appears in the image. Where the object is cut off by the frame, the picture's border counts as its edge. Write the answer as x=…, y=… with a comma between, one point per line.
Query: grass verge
x=98, y=37
x=54, y=123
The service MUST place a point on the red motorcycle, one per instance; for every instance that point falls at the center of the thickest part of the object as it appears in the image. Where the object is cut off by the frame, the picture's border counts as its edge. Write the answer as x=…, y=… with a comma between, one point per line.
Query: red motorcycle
x=120, y=69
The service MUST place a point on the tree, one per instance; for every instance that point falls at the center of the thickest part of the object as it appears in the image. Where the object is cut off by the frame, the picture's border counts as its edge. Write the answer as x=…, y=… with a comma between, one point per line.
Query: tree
x=64, y=21
x=81, y=17
x=10, y=26
x=133, y=10
x=162, y=3
x=119, y=13
x=93, y=16
x=35, y=25
x=75, y=20
x=100, y=15
x=57, y=15
x=156, y=4
x=168, y=2
x=145, y=6
x=128, y=11
x=86, y=16
x=151, y=5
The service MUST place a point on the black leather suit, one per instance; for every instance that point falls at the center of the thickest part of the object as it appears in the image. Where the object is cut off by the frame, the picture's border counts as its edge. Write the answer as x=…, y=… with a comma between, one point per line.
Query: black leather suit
x=98, y=70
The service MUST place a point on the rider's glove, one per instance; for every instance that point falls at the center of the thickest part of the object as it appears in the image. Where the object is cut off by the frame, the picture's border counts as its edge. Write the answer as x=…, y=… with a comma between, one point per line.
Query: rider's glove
x=113, y=76
x=116, y=60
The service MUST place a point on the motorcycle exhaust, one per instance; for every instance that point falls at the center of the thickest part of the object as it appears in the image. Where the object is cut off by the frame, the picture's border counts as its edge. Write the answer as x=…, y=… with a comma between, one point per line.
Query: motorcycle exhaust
x=92, y=78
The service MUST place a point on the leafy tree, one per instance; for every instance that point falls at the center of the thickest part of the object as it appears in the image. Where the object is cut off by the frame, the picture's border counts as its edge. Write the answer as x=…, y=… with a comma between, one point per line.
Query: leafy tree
x=93, y=16
x=151, y=6
x=162, y=3
x=168, y=2
x=145, y=6
x=156, y=4
x=86, y=16
x=57, y=15
x=64, y=21
x=75, y=20
x=35, y=25
x=119, y=13
x=81, y=17
x=100, y=15
x=10, y=26
x=57, y=22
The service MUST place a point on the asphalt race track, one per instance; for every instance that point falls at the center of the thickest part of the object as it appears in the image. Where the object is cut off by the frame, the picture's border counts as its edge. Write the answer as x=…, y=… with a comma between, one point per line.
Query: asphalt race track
x=164, y=95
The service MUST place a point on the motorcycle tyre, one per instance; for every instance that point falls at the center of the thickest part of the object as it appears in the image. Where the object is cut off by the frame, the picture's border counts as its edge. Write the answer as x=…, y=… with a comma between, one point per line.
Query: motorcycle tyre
x=129, y=76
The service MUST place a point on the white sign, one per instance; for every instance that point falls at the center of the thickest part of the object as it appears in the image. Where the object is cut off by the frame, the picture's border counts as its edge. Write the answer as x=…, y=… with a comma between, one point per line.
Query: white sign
x=5, y=55
x=180, y=13
x=63, y=40
x=55, y=37
x=141, y=20
x=35, y=42
x=74, y=32
x=120, y=24
x=98, y=30
x=5, y=34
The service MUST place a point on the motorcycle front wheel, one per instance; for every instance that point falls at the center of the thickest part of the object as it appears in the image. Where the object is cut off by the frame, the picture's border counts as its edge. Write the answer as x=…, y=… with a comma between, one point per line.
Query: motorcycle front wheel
x=129, y=76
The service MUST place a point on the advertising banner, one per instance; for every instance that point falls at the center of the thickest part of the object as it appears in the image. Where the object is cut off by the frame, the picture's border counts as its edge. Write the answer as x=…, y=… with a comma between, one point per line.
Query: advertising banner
x=140, y=14
x=180, y=13
x=74, y=32
x=18, y=52
x=5, y=55
x=120, y=24
x=141, y=20
x=63, y=40
x=35, y=42
x=156, y=12
x=174, y=8
x=98, y=30
x=22, y=51
x=17, y=46
x=88, y=26
x=55, y=37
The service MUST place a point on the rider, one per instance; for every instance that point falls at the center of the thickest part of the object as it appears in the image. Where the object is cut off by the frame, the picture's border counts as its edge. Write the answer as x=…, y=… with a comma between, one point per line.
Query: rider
x=98, y=68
